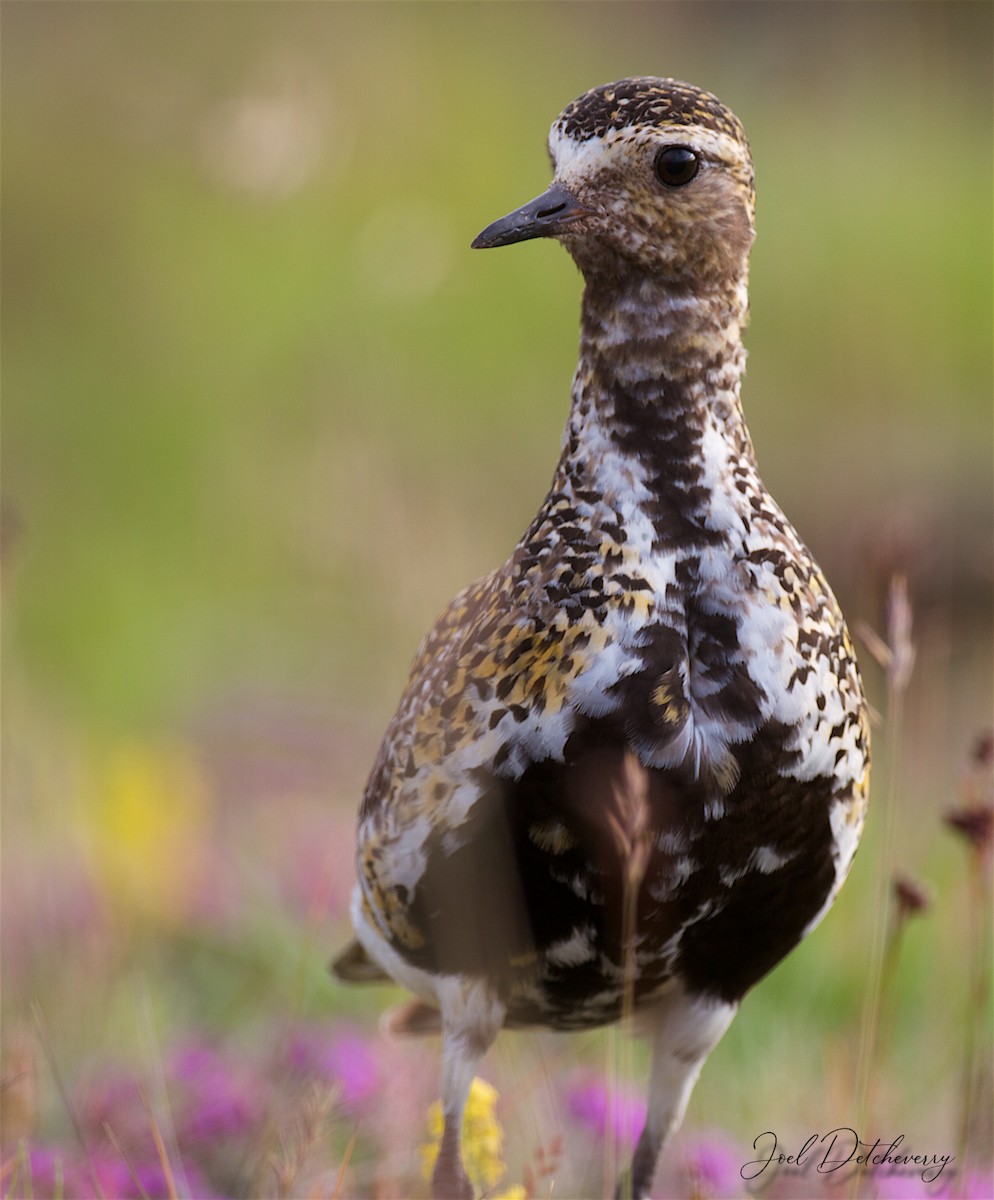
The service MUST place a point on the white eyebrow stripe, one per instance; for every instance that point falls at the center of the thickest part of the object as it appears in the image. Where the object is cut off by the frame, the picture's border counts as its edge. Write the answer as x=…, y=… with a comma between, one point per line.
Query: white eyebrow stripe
x=594, y=154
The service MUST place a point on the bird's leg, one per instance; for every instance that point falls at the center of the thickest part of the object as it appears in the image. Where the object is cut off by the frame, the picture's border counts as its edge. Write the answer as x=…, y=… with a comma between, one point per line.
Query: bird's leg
x=684, y=1030
x=471, y=1018
x=449, y=1180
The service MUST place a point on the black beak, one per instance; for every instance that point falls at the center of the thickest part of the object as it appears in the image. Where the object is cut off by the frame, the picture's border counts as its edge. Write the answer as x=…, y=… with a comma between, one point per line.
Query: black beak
x=544, y=216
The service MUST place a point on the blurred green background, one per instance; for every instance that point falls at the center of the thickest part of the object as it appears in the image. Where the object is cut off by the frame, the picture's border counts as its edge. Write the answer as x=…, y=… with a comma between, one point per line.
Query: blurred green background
x=264, y=412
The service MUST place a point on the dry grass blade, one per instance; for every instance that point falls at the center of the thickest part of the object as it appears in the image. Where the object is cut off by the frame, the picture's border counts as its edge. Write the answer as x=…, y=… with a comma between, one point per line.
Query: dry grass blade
x=60, y=1086
x=11, y=1166
x=160, y=1150
x=126, y=1159
x=346, y=1158
x=973, y=821
x=897, y=656
x=301, y=1136
x=630, y=827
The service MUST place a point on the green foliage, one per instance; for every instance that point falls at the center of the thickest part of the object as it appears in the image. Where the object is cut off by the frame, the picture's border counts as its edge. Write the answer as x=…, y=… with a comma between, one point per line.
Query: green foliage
x=264, y=412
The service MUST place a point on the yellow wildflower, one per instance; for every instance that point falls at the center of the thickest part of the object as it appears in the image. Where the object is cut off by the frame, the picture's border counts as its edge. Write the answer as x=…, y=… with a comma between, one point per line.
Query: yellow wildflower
x=146, y=828
x=482, y=1141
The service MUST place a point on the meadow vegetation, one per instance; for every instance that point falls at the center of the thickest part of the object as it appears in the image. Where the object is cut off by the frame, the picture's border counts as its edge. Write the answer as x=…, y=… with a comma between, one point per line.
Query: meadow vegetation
x=264, y=413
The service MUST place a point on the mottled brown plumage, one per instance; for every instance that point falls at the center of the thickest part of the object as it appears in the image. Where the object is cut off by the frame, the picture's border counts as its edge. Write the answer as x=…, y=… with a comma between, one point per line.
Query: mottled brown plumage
x=629, y=770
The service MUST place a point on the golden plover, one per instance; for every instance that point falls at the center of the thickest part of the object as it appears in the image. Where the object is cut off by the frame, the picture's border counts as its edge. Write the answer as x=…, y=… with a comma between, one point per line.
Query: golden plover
x=629, y=771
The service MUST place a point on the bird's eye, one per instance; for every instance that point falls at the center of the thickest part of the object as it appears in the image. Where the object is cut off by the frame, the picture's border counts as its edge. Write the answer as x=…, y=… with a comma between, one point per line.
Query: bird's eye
x=676, y=165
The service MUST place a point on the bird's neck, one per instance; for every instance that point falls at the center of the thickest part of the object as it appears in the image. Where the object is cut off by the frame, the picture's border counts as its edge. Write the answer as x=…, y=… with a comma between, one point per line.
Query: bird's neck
x=656, y=391
x=649, y=355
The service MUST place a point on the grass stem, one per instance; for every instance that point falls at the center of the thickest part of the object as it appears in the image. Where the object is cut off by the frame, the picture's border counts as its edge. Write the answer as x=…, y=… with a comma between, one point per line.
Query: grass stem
x=896, y=656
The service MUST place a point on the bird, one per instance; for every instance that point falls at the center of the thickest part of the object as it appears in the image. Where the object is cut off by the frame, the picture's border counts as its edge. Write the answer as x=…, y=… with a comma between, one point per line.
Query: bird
x=630, y=768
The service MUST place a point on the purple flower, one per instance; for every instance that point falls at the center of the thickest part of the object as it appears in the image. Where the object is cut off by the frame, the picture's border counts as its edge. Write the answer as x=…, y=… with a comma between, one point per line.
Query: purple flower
x=54, y=1172
x=354, y=1066
x=221, y=1100
x=141, y=1178
x=978, y=1185
x=45, y=1173
x=907, y=1184
x=346, y=1060
x=898, y=1185
x=117, y=1178
x=712, y=1163
x=619, y=1116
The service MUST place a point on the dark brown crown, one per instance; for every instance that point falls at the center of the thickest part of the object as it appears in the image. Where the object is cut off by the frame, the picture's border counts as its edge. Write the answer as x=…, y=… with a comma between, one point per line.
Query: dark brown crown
x=648, y=101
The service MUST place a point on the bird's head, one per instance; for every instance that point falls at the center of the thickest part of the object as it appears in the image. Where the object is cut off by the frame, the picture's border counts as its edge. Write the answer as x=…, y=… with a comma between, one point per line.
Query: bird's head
x=652, y=177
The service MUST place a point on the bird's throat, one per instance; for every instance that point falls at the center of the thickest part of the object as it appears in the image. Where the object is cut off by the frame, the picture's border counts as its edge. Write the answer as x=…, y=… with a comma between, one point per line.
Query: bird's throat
x=665, y=347
x=658, y=373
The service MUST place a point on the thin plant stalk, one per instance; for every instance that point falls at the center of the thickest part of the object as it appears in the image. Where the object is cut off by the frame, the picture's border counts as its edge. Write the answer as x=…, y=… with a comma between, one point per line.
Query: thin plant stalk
x=909, y=898
x=346, y=1159
x=159, y=1112
x=979, y=903
x=126, y=1159
x=160, y=1150
x=12, y=1167
x=896, y=656
x=60, y=1087
x=630, y=828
